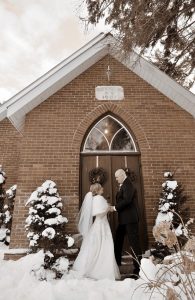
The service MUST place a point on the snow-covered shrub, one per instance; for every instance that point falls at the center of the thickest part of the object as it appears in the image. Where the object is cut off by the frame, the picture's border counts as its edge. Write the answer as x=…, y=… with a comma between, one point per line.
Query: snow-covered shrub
x=6, y=208
x=171, y=218
x=174, y=277
x=46, y=225
x=2, y=189
x=43, y=271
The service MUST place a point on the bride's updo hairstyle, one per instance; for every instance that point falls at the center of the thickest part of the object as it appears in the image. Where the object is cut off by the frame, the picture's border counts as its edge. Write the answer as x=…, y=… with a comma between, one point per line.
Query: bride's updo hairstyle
x=95, y=188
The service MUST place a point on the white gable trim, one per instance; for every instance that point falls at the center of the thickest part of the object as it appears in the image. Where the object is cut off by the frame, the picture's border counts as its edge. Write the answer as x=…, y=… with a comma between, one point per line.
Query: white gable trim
x=162, y=82
x=18, y=106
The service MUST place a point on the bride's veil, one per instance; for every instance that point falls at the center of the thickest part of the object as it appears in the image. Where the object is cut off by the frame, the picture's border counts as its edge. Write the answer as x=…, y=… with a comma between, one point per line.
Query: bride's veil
x=85, y=218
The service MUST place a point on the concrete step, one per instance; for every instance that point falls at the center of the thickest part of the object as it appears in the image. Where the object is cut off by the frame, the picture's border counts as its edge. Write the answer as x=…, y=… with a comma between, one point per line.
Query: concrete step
x=126, y=268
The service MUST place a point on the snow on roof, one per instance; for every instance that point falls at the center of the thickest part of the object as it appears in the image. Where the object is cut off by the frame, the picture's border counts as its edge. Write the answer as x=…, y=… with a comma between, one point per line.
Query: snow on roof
x=26, y=100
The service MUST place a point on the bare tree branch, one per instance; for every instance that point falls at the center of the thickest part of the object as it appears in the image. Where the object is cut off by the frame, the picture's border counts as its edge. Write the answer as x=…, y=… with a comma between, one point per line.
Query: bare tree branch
x=165, y=26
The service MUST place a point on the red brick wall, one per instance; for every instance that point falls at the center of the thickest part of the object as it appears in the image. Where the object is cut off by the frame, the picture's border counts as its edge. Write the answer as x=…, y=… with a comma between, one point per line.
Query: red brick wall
x=50, y=146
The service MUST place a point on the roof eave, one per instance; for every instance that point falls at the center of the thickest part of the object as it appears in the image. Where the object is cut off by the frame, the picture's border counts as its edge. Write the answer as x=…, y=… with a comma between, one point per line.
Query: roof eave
x=33, y=95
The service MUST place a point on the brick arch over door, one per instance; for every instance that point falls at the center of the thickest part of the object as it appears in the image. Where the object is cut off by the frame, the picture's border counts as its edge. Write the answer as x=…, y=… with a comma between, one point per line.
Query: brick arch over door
x=103, y=109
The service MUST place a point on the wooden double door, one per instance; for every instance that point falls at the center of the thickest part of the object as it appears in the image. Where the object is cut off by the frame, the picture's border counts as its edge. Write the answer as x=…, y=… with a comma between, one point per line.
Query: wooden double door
x=110, y=163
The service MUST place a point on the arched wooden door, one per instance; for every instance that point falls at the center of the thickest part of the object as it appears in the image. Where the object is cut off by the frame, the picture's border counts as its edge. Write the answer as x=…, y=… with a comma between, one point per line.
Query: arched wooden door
x=110, y=161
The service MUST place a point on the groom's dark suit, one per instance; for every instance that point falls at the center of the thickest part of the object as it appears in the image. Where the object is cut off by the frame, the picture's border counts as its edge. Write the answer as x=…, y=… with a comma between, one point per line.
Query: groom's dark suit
x=126, y=206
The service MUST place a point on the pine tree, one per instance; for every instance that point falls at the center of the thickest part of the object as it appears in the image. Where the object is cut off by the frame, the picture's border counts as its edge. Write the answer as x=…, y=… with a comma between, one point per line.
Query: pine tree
x=2, y=189
x=172, y=211
x=6, y=208
x=7, y=214
x=2, y=200
x=46, y=225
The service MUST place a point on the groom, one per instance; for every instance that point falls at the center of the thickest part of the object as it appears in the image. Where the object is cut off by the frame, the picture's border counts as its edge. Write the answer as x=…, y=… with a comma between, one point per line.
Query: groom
x=128, y=219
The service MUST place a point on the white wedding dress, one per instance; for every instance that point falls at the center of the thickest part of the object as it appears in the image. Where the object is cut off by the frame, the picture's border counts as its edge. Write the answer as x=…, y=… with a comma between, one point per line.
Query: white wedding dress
x=96, y=257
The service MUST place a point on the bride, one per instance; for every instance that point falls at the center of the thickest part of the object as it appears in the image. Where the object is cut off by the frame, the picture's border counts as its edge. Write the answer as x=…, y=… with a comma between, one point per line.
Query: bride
x=96, y=257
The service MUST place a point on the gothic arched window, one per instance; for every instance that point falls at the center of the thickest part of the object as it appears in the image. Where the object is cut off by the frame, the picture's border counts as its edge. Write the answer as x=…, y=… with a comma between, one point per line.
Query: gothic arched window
x=109, y=135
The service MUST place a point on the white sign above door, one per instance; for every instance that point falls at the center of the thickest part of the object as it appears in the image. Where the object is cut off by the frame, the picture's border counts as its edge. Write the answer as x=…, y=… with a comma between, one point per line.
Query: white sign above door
x=109, y=92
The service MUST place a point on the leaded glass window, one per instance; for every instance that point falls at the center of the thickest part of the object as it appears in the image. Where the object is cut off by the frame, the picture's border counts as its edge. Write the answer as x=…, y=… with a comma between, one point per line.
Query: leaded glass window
x=109, y=135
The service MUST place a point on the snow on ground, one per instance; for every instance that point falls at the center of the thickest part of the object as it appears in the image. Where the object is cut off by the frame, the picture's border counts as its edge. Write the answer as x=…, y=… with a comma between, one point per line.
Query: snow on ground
x=17, y=282
x=3, y=248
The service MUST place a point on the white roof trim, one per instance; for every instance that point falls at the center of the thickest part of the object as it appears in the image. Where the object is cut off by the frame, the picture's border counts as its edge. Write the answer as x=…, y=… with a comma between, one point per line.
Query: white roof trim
x=162, y=82
x=18, y=106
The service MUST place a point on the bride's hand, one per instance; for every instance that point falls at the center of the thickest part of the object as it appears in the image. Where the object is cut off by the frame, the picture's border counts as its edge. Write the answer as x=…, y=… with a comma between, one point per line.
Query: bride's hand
x=112, y=208
x=109, y=208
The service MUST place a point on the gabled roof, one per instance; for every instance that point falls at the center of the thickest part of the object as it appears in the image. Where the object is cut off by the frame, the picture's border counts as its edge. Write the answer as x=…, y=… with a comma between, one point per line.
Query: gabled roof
x=19, y=105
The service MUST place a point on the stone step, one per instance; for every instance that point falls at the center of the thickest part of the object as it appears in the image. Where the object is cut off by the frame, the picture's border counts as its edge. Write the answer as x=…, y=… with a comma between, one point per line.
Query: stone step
x=127, y=268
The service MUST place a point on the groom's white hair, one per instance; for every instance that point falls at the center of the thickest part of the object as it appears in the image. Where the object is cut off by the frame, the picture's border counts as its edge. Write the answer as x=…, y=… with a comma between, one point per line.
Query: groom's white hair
x=120, y=172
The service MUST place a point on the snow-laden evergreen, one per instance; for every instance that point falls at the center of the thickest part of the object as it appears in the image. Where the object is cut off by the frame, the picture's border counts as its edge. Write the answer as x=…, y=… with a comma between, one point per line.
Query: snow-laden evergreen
x=2, y=189
x=171, y=218
x=46, y=227
x=6, y=208
x=171, y=205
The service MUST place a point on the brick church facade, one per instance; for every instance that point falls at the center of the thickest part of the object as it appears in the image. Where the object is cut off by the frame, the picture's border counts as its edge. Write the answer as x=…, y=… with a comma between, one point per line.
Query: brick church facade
x=44, y=129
